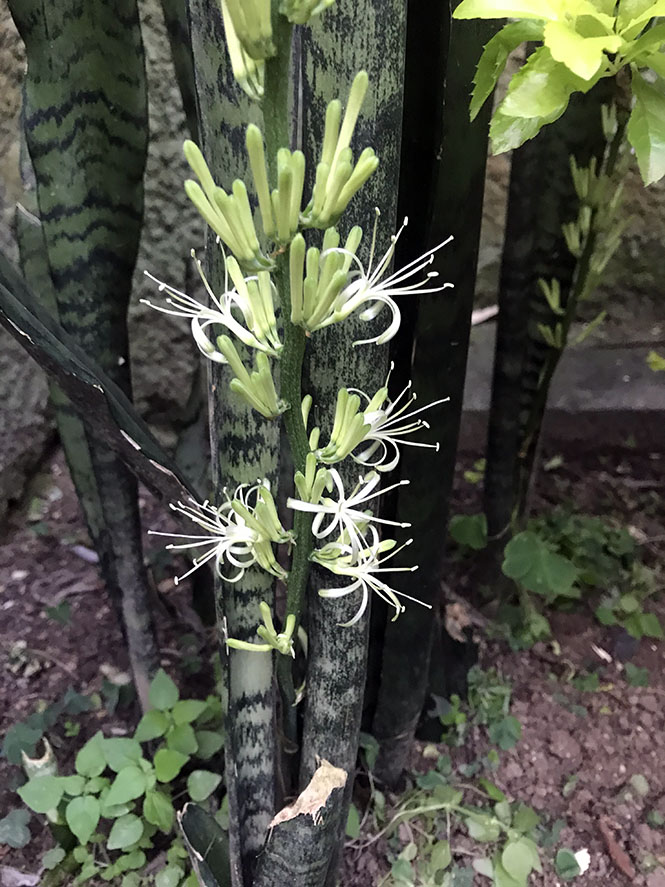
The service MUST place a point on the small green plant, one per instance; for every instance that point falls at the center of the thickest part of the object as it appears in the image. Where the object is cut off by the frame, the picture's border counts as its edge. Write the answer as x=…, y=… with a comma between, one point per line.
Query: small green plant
x=488, y=705
x=500, y=841
x=118, y=804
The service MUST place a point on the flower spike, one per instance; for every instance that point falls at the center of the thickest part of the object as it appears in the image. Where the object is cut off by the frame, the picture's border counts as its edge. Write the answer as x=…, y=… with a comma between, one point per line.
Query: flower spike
x=252, y=26
x=240, y=532
x=282, y=642
x=256, y=388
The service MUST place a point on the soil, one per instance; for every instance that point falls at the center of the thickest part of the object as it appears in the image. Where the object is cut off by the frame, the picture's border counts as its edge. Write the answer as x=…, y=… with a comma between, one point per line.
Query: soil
x=588, y=743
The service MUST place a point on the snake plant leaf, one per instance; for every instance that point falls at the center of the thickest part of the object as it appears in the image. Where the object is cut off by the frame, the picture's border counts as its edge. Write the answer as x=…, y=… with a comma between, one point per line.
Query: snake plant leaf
x=207, y=845
x=106, y=408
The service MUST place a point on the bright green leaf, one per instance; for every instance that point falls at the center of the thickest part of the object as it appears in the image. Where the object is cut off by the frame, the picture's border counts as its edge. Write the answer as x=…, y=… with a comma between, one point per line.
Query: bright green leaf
x=188, y=710
x=169, y=877
x=518, y=859
x=492, y=790
x=152, y=725
x=120, y=752
x=14, y=831
x=168, y=763
x=82, y=815
x=158, y=810
x=540, y=88
x=90, y=761
x=440, y=857
x=42, y=794
x=646, y=128
x=482, y=828
x=163, y=692
x=183, y=739
x=655, y=362
x=493, y=9
x=201, y=784
x=493, y=60
x=353, y=823
x=126, y=831
x=128, y=785
x=581, y=55
x=73, y=785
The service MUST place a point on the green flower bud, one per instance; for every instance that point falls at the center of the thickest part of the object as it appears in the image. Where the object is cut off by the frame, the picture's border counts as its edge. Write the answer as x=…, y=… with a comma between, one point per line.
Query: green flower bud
x=248, y=72
x=299, y=12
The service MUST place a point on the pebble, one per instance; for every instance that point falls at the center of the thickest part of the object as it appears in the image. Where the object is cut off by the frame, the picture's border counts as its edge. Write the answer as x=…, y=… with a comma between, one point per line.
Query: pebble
x=563, y=745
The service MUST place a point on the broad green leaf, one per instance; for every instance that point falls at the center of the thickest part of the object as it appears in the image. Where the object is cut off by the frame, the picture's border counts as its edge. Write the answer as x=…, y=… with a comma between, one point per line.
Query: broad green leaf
x=42, y=794
x=470, y=530
x=525, y=819
x=126, y=831
x=133, y=860
x=73, y=785
x=582, y=55
x=183, y=739
x=14, y=831
x=566, y=865
x=501, y=876
x=169, y=877
x=538, y=9
x=53, y=857
x=152, y=725
x=82, y=815
x=629, y=10
x=540, y=88
x=209, y=743
x=440, y=857
x=656, y=61
x=201, y=784
x=482, y=827
x=519, y=859
x=495, y=55
x=646, y=128
x=20, y=738
x=642, y=14
x=121, y=752
x=507, y=133
x=352, y=822
x=128, y=785
x=90, y=761
x=483, y=866
x=188, y=710
x=158, y=810
x=163, y=692
x=529, y=561
x=168, y=763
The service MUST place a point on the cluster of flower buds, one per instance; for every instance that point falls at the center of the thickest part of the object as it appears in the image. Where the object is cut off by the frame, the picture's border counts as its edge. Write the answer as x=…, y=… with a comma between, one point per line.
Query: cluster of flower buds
x=256, y=388
x=337, y=177
x=282, y=642
x=240, y=532
x=280, y=209
x=229, y=215
x=248, y=72
x=299, y=12
x=252, y=26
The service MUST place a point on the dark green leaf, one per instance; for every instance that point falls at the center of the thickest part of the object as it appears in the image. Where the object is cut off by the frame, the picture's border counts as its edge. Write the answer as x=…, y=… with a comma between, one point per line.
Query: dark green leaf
x=636, y=677
x=209, y=743
x=505, y=733
x=352, y=823
x=14, y=831
x=566, y=865
x=207, y=845
x=182, y=739
x=20, y=738
x=469, y=530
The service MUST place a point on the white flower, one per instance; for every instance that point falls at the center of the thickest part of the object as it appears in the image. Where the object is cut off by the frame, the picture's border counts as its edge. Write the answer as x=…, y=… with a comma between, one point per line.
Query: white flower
x=363, y=568
x=388, y=425
x=241, y=532
x=366, y=286
x=252, y=298
x=346, y=515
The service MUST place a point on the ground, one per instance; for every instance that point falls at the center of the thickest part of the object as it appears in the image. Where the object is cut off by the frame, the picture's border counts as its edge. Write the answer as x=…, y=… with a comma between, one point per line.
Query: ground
x=579, y=749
